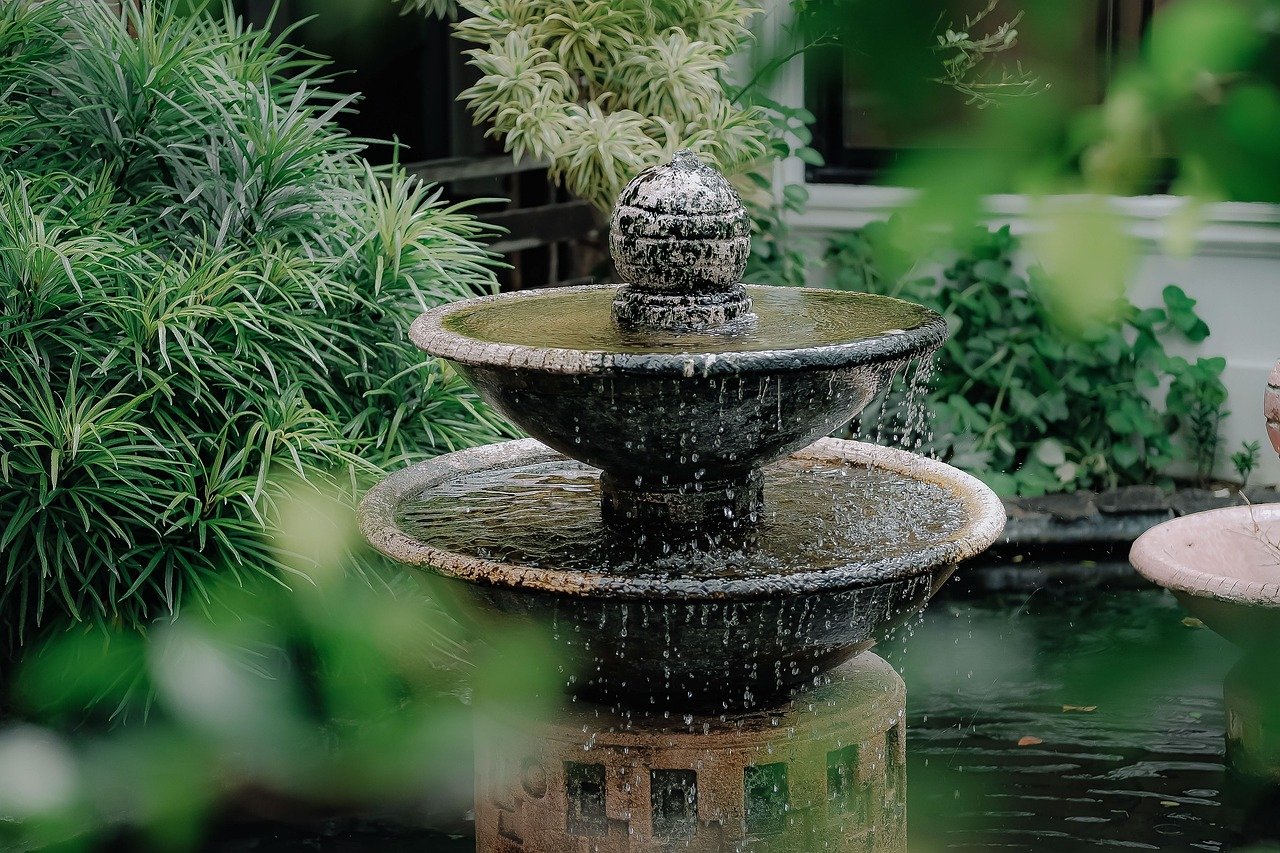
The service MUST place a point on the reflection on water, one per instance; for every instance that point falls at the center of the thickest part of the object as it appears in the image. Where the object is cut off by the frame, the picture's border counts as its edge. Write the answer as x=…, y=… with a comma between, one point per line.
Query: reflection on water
x=826, y=772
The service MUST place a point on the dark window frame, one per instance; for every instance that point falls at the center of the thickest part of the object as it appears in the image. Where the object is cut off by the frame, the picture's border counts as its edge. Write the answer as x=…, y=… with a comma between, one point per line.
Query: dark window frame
x=824, y=97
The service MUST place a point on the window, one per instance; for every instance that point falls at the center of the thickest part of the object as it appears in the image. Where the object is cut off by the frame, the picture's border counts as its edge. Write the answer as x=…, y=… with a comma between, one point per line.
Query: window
x=873, y=80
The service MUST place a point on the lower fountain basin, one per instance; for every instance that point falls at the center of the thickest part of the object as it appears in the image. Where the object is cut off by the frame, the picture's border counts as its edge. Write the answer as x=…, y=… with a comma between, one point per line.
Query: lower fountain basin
x=1223, y=565
x=853, y=539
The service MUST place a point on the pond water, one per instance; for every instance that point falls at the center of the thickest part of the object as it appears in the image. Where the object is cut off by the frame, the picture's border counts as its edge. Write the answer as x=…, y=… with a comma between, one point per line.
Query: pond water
x=1065, y=721
x=1050, y=721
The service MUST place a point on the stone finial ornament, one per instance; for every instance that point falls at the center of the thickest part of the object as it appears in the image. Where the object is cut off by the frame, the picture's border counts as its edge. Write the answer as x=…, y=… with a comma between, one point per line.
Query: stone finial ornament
x=680, y=237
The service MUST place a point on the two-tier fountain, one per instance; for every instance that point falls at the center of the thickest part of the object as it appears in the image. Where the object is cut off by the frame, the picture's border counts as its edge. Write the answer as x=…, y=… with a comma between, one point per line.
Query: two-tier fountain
x=707, y=561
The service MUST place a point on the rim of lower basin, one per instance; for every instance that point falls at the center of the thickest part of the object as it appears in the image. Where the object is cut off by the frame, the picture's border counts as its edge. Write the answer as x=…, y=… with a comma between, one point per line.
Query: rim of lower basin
x=985, y=518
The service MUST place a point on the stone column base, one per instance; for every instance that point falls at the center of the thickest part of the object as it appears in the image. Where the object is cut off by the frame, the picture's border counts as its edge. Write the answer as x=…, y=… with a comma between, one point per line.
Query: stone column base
x=825, y=772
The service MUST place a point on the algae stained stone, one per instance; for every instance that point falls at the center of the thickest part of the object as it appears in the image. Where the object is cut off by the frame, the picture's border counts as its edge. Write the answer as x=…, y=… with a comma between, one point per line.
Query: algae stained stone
x=680, y=237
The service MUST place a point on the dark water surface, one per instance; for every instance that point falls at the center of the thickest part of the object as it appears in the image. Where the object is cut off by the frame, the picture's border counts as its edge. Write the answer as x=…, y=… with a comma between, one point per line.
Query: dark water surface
x=1122, y=698
x=1117, y=703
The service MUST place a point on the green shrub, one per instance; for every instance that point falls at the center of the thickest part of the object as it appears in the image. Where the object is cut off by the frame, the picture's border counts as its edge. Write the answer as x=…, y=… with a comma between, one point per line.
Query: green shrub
x=201, y=282
x=1031, y=407
x=600, y=90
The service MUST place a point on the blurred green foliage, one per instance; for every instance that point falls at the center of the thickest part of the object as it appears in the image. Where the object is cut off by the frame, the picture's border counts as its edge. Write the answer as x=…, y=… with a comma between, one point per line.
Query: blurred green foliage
x=1192, y=109
x=1198, y=102
x=1029, y=404
x=334, y=694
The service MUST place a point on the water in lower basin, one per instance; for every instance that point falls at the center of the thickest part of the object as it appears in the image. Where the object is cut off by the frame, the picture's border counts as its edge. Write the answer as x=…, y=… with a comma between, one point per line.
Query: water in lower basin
x=817, y=515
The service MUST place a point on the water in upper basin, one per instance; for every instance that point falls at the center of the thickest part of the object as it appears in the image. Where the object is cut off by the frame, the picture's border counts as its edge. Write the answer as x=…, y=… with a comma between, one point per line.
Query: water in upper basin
x=788, y=319
x=817, y=515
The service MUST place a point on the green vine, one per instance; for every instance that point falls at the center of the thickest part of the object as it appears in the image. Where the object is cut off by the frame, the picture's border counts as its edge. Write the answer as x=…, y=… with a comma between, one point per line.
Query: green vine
x=1028, y=406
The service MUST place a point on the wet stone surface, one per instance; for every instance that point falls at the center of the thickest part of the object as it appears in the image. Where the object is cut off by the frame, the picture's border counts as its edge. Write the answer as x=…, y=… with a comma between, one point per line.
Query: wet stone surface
x=851, y=539
x=1187, y=501
x=1112, y=518
x=1133, y=499
x=1068, y=506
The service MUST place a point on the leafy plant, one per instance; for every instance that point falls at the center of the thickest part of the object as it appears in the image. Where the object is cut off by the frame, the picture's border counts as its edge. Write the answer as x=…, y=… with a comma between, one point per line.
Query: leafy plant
x=601, y=90
x=776, y=256
x=202, y=282
x=971, y=67
x=1197, y=394
x=1245, y=460
x=335, y=696
x=1025, y=404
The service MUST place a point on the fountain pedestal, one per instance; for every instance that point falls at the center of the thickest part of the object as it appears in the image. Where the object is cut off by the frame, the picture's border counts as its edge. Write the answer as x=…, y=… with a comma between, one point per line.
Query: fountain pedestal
x=824, y=772
x=1252, y=699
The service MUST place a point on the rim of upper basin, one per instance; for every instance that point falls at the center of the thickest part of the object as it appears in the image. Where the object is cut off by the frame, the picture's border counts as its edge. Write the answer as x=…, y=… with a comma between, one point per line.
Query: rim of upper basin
x=429, y=333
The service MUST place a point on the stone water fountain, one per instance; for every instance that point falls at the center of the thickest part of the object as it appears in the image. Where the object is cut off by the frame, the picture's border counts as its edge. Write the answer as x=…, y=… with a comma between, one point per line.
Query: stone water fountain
x=712, y=567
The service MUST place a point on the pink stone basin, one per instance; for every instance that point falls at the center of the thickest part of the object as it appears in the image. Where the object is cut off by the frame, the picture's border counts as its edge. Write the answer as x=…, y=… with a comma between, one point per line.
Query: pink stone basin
x=1223, y=565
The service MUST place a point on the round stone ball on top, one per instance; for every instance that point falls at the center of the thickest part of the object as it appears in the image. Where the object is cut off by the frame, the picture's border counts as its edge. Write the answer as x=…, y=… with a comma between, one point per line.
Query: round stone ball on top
x=680, y=236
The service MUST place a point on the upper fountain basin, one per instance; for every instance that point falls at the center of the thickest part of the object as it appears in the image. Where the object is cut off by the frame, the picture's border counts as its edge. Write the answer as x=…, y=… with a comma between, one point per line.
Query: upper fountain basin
x=665, y=410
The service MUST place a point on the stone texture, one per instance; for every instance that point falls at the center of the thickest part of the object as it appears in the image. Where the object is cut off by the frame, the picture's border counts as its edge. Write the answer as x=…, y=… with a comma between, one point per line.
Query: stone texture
x=1250, y=695
x=1065, y=506
x=1223, y=565
x=680, y=229
x=674, y=419
x=1133, y=499
x=1031, y=530
x=590, y=778
x=1262, y=494
x=1188, y=501
x=725, y=311
x=1008, y=575
x=611, y=626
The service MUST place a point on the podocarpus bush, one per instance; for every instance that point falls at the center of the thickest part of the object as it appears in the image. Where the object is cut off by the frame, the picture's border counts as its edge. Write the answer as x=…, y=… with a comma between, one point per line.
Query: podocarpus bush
x=202, y=283
x=1023, y=402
